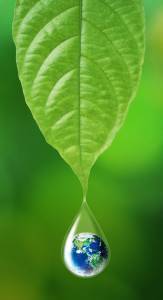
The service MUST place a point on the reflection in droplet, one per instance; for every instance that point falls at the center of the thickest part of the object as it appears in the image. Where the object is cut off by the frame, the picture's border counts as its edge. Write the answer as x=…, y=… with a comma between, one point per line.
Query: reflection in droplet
x=86, y=251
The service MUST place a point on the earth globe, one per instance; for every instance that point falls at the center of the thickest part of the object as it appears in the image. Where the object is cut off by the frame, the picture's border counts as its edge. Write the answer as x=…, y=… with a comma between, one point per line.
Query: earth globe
x=86, y=255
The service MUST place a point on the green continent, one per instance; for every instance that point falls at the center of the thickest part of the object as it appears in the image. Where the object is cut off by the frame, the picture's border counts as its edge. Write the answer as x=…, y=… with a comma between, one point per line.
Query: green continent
x=95, y=260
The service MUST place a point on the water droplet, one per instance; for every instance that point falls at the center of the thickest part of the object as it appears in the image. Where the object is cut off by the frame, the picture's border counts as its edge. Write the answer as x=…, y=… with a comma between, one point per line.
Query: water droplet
x=86, y=252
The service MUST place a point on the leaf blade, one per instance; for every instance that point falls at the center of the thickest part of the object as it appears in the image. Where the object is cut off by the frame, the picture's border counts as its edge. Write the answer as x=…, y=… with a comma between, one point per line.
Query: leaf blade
x=79, y=63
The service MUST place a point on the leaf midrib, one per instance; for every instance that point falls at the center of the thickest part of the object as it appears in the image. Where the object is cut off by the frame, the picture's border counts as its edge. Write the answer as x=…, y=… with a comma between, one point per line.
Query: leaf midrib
x=79, y=87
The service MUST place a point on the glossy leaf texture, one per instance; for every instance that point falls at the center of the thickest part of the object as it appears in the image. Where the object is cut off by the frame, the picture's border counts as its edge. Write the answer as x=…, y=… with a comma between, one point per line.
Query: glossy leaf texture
x=79, y=62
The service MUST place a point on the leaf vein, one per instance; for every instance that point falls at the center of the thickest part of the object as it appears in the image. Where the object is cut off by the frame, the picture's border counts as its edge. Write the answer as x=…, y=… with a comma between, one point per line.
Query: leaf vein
x=32, y=43
x=80, y=49
x=113, y=45
x=105, y=75
x=64, y=76
x=132, y=36
x=46, y=58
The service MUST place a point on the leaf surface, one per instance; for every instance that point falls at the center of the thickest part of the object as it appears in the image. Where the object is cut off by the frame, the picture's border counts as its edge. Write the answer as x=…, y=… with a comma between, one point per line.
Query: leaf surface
x=79, y=62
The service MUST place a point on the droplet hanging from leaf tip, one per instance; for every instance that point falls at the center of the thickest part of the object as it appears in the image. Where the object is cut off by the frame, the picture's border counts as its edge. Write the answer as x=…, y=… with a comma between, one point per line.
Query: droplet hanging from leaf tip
x=86, y=252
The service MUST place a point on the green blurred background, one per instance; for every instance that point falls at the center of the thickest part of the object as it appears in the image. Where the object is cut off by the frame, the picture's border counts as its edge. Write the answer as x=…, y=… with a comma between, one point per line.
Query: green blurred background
x=39, y=195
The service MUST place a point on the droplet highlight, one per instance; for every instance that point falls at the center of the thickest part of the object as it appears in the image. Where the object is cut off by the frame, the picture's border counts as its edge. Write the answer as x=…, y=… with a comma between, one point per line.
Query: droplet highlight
x=86, y=252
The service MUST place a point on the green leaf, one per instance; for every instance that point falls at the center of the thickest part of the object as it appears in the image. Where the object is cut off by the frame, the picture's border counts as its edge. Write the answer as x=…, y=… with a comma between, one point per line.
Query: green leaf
x=79, y=62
